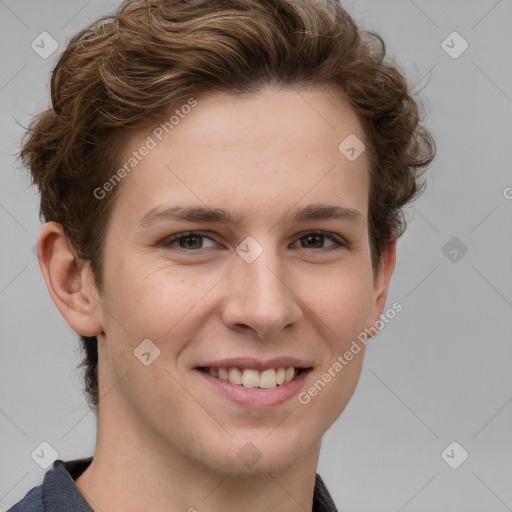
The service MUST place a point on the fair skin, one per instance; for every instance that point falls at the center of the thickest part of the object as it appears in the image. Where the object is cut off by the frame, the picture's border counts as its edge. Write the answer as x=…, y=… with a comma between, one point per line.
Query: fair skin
x=167, y=439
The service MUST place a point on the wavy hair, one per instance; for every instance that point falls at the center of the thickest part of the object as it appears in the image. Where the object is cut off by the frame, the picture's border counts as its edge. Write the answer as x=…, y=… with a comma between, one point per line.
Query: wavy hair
x=152, y=55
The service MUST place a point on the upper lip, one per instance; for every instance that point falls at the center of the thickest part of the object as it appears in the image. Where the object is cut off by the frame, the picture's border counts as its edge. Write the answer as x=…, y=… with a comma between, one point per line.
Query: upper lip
x=256, y=364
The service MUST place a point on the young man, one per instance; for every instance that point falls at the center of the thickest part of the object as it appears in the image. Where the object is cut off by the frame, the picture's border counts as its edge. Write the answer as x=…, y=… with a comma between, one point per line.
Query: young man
x=222, y=183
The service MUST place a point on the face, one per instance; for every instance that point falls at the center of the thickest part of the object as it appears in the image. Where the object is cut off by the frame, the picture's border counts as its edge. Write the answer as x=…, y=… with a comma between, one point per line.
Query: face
x=275, y=285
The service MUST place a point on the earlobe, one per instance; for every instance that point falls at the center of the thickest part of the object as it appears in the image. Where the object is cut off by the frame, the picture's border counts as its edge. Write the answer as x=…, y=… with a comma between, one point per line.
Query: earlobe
x=382, y=280
x=69, y=283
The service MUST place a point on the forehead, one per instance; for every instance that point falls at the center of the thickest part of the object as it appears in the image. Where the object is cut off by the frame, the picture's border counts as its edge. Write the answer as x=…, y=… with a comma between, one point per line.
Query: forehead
x=272, y=148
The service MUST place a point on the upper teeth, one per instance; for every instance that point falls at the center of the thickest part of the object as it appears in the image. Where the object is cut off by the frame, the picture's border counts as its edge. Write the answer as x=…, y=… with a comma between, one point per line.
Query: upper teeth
x=250, y=378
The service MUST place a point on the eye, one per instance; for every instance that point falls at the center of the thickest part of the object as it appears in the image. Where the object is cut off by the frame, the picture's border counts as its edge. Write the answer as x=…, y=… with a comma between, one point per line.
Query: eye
x=190, y=240
x=313, y=238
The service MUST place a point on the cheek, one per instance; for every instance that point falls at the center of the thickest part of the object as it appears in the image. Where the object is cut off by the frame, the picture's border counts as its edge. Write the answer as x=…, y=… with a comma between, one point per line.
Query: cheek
x=342, y=300
x=343, y=306
x=156, y=305
x=150, y=301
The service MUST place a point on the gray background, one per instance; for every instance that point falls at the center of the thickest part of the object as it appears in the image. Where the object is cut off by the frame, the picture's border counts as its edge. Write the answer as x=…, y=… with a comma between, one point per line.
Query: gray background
x=438, y=373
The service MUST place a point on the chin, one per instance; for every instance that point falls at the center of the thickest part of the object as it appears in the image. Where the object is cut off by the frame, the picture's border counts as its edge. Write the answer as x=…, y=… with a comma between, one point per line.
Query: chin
x=250, y=455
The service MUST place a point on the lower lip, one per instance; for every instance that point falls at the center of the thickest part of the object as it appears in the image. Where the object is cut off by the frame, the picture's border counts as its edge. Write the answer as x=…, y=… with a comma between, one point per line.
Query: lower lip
x=257, y=396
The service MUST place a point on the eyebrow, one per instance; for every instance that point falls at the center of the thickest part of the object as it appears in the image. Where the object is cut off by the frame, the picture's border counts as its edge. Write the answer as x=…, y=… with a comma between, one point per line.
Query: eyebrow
x=235, y=218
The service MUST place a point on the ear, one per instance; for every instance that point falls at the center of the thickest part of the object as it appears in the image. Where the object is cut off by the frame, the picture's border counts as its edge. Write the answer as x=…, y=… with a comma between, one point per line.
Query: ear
x=70, y=283
x=381, y=282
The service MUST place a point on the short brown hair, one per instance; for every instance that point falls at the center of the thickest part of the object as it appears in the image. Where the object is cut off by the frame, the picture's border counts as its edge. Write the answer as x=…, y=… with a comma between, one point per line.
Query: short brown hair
x=153, y=55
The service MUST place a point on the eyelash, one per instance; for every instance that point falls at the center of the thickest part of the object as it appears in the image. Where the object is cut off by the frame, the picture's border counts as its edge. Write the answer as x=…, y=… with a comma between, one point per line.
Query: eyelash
x=340, y=244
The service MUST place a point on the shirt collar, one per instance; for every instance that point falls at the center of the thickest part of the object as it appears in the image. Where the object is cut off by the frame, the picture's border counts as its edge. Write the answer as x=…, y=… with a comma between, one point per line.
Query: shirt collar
x=60, y=493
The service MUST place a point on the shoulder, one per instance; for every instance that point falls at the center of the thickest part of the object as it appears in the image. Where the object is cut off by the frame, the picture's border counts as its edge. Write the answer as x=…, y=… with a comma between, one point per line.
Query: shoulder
x=58, y=491
x=32, y=502
x=322, y=500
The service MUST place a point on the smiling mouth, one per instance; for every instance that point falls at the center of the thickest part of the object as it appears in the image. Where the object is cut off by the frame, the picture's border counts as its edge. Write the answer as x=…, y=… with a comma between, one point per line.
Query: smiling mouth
x=251, y=378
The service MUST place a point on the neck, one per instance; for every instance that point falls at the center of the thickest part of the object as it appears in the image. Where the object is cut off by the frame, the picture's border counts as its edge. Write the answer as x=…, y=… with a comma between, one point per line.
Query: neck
x=134, y=469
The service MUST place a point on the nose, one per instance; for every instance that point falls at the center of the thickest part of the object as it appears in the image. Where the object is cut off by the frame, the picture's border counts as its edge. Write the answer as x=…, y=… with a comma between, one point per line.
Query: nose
x=260, y=296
